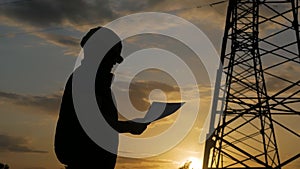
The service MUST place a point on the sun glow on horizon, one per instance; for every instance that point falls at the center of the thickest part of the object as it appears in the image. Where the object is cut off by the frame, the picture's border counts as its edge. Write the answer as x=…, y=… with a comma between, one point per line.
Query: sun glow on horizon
x=194, y=163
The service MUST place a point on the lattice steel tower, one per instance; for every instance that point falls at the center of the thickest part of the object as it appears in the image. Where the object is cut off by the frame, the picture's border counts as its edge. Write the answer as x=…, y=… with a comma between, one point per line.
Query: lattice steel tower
x=259, y=86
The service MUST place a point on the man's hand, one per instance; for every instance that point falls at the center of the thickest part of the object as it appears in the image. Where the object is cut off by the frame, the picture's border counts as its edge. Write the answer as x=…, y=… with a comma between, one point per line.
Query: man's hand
x=137, y=128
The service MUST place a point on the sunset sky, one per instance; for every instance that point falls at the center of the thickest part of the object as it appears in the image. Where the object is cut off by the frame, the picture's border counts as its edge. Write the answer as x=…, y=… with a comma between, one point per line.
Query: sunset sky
x=39, y=44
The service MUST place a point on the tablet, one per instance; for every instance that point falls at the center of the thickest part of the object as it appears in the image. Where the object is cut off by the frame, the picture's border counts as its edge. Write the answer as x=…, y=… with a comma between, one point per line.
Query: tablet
x=159, y=110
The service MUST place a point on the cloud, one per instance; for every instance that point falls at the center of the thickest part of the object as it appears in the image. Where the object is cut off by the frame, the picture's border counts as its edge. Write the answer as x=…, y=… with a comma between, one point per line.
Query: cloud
x=272, y=10
x=79, y=13
x=70, y=43
x=83, y=14
x=286, y=71
x=139, y=92
x=16, y=144
x=35, y=16
x=155, y=85
x=49, y=103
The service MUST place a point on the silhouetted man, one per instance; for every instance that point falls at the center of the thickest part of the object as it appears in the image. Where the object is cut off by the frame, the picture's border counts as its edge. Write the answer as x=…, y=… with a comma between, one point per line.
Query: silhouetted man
x=73, y=147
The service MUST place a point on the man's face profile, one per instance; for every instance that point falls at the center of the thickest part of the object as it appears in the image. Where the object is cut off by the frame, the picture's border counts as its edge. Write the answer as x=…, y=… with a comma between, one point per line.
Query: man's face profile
x=102, y=39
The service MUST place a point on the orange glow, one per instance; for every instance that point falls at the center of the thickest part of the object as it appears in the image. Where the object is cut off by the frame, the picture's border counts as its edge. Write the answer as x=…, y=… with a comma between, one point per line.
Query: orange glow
x=196, y=163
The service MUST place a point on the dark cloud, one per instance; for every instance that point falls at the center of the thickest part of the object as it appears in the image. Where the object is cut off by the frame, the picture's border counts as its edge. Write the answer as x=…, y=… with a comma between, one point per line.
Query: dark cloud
x=139, y=92
x=46, y=13
x=16, y=144
x=49, y=103
x=130, y=6
x=82, y=13
x=36, y=16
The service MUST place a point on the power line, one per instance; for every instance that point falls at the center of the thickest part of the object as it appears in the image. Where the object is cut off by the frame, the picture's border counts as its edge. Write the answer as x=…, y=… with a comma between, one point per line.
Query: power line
x=198, y=6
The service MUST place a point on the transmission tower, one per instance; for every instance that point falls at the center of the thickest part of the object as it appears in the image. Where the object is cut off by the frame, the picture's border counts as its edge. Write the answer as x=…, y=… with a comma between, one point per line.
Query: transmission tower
x=257, y=85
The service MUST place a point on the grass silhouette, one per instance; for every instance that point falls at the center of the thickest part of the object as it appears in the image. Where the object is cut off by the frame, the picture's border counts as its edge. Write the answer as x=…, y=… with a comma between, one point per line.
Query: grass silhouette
x=186, y=165
x=4, y=166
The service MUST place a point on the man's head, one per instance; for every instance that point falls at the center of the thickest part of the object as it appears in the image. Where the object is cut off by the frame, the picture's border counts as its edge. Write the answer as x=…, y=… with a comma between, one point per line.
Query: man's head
x=113, y=56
